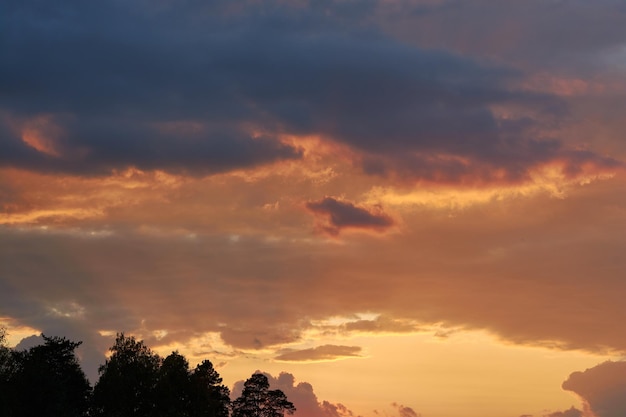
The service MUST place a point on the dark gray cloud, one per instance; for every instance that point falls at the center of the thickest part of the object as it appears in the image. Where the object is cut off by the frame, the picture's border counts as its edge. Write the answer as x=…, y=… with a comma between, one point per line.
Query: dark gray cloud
x=325, y=352
x=535, y=33
x=345, y=215
x=110, y=146
x=123, y=81
x=602, y=388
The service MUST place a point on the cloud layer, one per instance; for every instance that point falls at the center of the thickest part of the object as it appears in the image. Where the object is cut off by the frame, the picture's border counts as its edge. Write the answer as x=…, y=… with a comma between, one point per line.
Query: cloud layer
x=189, y=90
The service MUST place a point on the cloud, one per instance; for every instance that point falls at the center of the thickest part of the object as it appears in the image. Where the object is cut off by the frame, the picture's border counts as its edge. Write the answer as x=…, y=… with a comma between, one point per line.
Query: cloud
x=301, y=395
x=259, y=292
x=381, y=324
x=200, y=89
x=257, y=337
x=336, y=410
x=572, y=412
x=345, y=215
x=320, y=353
x=100, y=147
x=29, y=342
x=404, y=411
x=555, y=27
x=602, y=389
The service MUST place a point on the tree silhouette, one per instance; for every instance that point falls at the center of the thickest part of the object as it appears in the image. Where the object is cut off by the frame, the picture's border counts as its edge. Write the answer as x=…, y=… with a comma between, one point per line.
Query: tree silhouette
x=127, y=382
x=47, y=380
x=257, y=400
x=173, y=387
x=209, y=397
x=6, y=370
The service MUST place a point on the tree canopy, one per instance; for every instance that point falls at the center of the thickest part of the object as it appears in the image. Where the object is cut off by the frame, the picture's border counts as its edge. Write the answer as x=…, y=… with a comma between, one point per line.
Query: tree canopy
x=47, y=380
x=257, y=400
x=127, y=382
x=6, y=365
x=209, y=397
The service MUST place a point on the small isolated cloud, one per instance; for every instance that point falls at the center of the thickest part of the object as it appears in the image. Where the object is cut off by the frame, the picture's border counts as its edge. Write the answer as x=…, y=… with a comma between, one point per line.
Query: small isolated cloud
x=339, y=215
x=336, y=410
x=404, y=411
x=302, y=396
x=602, y=389
x=320, y=353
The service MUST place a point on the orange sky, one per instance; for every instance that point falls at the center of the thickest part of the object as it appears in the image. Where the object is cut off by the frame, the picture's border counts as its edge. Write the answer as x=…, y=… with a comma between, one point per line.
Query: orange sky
x=394, y=208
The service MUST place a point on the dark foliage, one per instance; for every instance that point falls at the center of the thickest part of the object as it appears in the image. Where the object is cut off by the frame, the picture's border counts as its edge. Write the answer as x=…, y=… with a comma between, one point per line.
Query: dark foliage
x=209, y=397
x=6, y=370
x=173, y=397
x=47, y=380
x=257, y=400
x=127, y=382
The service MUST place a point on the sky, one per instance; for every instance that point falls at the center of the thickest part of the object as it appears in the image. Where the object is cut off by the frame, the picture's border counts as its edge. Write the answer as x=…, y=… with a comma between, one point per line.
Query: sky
x=393, y=208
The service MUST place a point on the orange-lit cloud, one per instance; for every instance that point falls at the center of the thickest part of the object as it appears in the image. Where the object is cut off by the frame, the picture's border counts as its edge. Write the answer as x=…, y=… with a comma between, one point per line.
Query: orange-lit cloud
x=266, y=291
x=41, y=134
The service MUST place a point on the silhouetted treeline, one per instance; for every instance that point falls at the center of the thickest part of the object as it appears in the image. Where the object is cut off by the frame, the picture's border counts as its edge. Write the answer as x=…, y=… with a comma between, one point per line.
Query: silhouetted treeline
x=47, y=380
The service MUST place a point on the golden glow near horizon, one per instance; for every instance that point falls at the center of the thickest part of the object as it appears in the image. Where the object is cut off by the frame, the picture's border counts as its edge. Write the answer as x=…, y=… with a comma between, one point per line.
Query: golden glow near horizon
x=448, y=373
x=447, y=370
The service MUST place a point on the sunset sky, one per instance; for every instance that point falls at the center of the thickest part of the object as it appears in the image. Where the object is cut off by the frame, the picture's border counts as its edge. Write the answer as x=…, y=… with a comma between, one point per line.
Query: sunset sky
x=394, y=208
